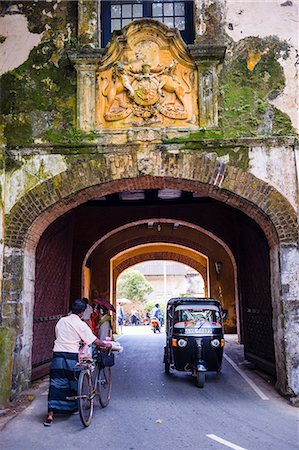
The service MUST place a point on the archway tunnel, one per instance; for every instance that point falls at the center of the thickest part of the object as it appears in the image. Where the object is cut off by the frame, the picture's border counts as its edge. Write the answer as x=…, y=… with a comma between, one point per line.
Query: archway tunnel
x=107, y=234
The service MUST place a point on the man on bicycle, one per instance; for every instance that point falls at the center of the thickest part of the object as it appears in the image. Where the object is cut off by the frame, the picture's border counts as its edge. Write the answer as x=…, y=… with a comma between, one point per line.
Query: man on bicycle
x=70, y=332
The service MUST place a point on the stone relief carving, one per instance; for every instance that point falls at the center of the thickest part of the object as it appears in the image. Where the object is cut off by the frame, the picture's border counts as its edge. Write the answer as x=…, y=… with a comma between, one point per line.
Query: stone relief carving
x=149, y=81
x=144, y=92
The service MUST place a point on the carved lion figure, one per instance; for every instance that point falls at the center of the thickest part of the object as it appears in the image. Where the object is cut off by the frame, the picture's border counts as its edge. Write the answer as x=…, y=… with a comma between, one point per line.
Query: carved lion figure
x=170, y=84
x=117, y=85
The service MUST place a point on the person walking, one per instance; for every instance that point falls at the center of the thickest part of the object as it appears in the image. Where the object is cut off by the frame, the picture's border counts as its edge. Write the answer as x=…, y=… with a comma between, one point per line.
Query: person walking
x=157, y=313
x=70, y=332
x=120, y=317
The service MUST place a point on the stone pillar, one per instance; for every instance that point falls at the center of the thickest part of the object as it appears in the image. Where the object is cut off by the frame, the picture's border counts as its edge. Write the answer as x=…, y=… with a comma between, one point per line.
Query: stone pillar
x=2, y=204
x=88, y=31
x=289, y=263
x=209, y=21
x=207, y=58
x=86, y=95
x=17, y=315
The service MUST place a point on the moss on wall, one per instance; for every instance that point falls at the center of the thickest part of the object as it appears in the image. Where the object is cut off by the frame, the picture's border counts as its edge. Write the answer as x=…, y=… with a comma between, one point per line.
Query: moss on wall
x=7, y=343
x=40, y=95
x=251, y=78
x=38, y=99
x=247, y=89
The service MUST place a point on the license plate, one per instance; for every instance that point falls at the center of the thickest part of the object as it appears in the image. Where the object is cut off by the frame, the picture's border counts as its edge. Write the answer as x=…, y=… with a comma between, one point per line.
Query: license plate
x=198, y=330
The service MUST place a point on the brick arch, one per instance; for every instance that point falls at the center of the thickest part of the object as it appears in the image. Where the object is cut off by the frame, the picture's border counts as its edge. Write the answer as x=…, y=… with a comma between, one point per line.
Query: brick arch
x=172, y=256
x=110, y=173
x=88, y=179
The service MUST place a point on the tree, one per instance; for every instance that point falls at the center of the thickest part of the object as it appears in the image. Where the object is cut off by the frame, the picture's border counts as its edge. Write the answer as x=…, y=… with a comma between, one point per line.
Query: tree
x=133, y=285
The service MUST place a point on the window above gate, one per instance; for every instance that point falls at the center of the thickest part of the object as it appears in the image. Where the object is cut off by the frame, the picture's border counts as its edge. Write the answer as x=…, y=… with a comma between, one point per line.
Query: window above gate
x=119, y=13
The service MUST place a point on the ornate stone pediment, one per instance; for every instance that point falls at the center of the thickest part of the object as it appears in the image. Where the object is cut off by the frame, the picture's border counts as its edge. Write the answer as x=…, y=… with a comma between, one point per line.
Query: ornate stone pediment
x=146, y=78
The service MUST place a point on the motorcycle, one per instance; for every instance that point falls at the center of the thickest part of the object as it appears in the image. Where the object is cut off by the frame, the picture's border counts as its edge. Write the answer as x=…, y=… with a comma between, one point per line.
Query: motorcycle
x=155, y=325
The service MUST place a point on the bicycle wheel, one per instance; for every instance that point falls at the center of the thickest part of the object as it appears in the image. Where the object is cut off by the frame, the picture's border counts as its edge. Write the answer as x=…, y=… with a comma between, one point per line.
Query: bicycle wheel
x=104, y=386
x=85, y=397
x=95, y=380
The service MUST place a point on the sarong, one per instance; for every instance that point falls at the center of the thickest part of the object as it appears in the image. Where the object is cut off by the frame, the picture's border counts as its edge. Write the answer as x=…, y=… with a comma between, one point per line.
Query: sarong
x=63, y=383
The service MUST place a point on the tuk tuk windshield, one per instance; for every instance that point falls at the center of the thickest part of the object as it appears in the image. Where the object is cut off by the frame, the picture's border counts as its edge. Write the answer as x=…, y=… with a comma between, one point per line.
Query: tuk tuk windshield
x=193, y=316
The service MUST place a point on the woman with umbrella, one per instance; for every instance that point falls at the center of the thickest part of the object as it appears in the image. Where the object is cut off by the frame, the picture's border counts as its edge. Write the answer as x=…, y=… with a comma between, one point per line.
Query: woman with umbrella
x=101, y=319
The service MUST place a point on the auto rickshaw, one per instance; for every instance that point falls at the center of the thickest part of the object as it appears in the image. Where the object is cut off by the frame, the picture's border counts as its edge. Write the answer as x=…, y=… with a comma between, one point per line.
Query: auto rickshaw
x=194, y=337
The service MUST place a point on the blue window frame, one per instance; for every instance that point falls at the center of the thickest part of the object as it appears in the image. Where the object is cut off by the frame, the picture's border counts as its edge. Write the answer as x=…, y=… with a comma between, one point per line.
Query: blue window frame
x=115, y=14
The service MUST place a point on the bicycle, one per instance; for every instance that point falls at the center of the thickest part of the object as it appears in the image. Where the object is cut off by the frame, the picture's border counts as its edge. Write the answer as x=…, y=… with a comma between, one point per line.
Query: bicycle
x=95, y=380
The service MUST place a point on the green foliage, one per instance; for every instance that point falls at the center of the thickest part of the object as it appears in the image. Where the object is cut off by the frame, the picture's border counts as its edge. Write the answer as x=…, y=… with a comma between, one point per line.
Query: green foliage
x=133, y=285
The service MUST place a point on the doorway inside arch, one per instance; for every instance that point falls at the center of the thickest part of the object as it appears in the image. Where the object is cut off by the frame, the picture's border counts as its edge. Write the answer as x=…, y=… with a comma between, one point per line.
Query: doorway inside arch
x=76, y=253
x=144, y=285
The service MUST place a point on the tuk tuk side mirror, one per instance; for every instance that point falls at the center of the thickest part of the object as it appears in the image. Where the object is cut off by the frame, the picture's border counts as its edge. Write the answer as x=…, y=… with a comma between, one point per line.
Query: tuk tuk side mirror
x=224, y=314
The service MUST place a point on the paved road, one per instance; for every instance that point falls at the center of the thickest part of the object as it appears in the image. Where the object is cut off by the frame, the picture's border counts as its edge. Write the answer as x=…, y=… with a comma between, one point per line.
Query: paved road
x=151, y=411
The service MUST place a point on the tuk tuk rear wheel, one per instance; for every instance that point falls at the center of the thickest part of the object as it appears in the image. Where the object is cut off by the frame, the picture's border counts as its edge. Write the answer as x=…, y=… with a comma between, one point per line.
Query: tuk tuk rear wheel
x=200, y=379
x=167, y=368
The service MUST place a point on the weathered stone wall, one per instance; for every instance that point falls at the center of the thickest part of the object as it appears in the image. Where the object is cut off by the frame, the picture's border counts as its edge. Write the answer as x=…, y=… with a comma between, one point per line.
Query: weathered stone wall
x=249, y=160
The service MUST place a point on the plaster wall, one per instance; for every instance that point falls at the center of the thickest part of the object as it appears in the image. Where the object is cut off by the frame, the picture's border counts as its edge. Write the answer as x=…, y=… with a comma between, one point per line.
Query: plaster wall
x=277, y=167
x=18, y=43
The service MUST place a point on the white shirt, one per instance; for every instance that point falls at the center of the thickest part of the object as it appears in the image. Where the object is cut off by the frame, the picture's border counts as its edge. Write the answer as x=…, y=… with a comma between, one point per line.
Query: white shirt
x=87, y=313
x=70, y=331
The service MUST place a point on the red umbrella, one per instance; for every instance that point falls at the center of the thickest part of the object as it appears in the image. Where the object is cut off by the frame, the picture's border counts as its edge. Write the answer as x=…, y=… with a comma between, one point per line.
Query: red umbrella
x=104, y=303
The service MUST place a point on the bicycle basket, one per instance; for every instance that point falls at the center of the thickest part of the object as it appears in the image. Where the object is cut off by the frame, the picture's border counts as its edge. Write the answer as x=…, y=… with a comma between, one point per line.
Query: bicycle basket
x=106, y=359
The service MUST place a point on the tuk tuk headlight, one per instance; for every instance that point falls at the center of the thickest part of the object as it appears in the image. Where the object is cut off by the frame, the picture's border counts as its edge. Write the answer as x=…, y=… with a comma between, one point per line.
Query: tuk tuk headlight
x=182, y=343
x=215, y=343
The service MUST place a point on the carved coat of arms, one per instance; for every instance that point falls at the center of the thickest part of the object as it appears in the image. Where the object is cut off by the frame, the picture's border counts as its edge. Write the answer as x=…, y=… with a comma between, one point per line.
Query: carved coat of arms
x=146, y=84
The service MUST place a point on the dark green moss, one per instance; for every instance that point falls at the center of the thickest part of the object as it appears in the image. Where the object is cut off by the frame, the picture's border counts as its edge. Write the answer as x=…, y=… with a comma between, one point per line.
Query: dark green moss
x=18, y=132
x=40, y=87
x=282, y=125
x=69, y=136
x=245, y=108
x=44, y=87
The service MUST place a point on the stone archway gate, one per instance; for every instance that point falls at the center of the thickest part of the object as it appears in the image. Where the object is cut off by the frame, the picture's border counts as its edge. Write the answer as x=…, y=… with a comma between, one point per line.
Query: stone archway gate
x=68, y=181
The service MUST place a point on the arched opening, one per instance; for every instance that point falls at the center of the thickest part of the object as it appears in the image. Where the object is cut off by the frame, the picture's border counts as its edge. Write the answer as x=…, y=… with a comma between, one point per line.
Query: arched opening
x=142, y=286
x=228, y=238
x=91, y=203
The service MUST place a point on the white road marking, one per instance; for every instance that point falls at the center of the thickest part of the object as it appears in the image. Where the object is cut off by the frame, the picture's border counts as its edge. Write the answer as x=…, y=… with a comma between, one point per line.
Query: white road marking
x=118, y=337
x=225, y=442
x=247, y=379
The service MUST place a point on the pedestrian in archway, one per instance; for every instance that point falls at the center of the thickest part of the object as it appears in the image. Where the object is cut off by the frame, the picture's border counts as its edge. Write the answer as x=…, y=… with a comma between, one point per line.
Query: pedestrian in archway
x=70, y=332
x=104, y=318
x=120, y=317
